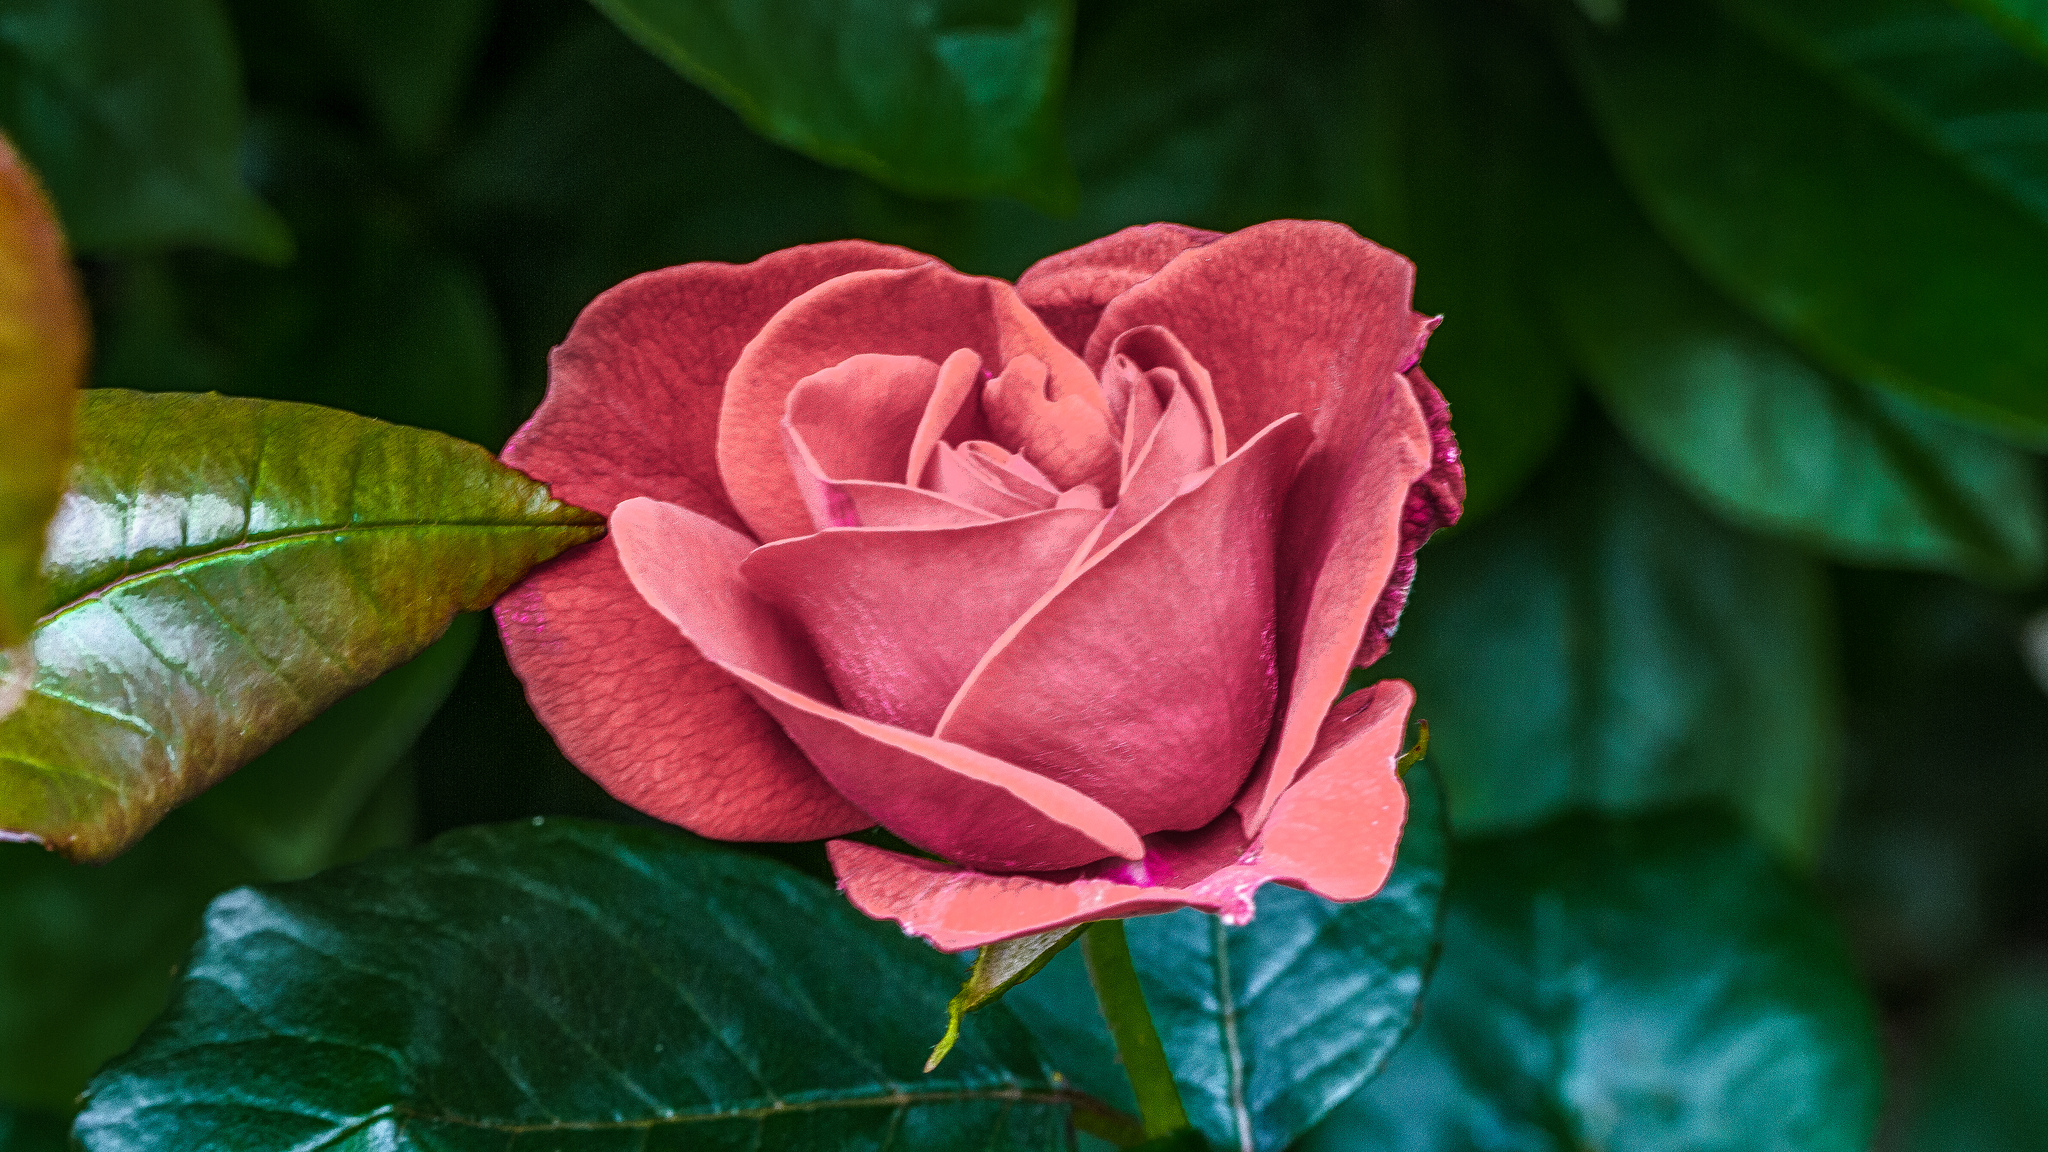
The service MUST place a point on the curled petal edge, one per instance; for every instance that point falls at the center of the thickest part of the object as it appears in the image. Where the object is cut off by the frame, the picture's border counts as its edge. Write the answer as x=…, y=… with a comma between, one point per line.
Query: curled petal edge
x=1334, y=832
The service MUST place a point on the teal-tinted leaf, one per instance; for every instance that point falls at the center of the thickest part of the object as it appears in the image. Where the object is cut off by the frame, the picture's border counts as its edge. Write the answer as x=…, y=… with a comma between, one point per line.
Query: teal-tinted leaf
x=1871, y=249
x=91, y=950
x=1271, y=1025
x=576, y=985
x=1758, y=432
x=1983, y=1093
x=220, y=572
x=1605, y=644
x=133, y=114
x=33, y=1131
x=952, y=98
x=1413, y=123
x=1658, y=983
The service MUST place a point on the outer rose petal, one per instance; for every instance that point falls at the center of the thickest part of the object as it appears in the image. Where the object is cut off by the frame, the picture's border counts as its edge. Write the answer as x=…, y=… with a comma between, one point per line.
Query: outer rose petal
x=941, y=796
x=1300, y=316
x=1434, y=502
x=632, y=410
x=1333, y=833
x=929, y=311
x=1069, y=289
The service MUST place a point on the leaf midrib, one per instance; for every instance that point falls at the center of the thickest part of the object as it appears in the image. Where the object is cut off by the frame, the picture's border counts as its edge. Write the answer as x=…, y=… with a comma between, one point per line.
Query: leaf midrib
x=762, y=1112
x=257, y=545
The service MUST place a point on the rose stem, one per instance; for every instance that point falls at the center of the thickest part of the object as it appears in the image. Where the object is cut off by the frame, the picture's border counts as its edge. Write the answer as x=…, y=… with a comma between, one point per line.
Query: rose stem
x=1130, y=1023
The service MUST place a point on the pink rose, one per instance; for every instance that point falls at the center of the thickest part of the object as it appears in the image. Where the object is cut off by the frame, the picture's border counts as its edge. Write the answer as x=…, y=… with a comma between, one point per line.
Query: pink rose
x=1058, y=582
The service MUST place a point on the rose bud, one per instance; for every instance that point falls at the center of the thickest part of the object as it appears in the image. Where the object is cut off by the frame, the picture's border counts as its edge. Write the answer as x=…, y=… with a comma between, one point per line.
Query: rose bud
x=1057, y=582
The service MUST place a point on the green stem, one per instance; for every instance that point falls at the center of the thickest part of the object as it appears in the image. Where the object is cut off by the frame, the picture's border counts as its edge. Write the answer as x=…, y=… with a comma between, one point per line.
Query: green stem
x=1130, y=1023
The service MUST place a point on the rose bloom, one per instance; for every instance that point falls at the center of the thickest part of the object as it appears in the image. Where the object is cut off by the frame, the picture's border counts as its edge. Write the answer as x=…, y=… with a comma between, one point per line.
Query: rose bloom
x=1059, y=583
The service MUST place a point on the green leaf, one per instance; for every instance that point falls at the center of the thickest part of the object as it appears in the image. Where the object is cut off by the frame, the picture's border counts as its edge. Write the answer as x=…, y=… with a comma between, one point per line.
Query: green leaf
x=951, y=98
x=90, y=951
x=1983, y=1093
x=42, y=359
x=2024, y=22
x=1604, y=644
x=1941, y=76
x=1654, y=983
x=578, y=984
x=33, y=1131
x=1756, y=431
x=133, y=113
x=998, y=967
x=222, y=571
x=1872, y=249
x=1271, y=1025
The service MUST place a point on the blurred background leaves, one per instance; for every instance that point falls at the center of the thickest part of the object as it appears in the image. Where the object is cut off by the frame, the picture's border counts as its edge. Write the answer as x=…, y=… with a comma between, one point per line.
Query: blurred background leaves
x=1776, y=554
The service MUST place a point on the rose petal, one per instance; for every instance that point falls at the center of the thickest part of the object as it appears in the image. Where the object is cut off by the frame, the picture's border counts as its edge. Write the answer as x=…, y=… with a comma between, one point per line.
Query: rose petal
x=1178, y=447
x=860, y=416
x=1147, y=679
x=1435, y=501
x=1151, y=348
x=634, y=705
x=953, y=415
x=867, y=503
x=940, y=796
x=1067, y=437
x=900, y=616
x=959, y=475
x=1334, y=833
x=1300, y=316
x=632, y=406
x=1069, y=289
x=929, y=311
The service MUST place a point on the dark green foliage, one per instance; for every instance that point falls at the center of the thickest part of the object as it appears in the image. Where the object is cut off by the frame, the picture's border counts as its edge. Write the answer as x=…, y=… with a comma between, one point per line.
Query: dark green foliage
x=954, y=98
x=1653, y=983
x=1984, y=1091
x=572, y=984
x=133, y=115
x=1604, y=644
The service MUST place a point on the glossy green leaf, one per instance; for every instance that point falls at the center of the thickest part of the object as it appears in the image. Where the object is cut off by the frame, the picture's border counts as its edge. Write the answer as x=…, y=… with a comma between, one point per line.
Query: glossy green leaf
x=952, y=98
x=1983, y=1091
x=1271, y=1025
x=133, y=114
x=42, y=357
x=1759, y=433
x=1874, y=251
x=91, y=950
x=1655, y=984
x=571, y=984
x=1605, y=644
x=223, y=570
